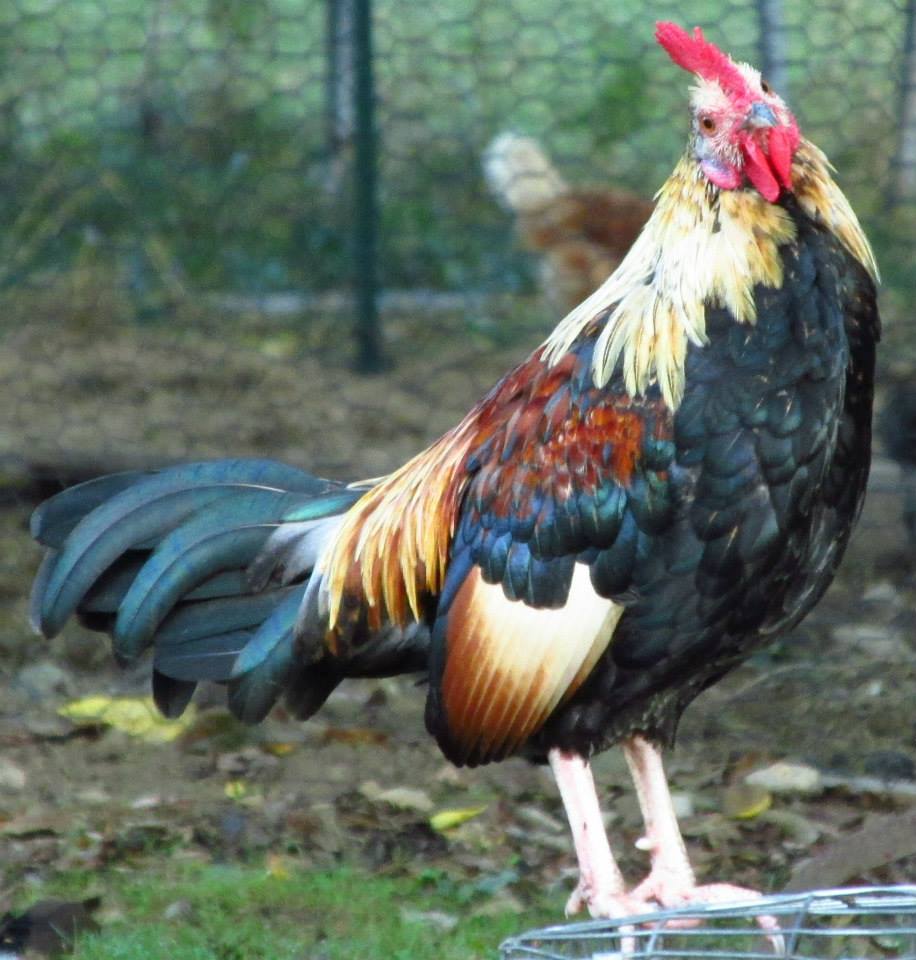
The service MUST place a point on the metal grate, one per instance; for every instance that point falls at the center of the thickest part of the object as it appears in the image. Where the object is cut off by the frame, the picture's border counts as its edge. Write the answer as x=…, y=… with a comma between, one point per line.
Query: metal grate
x=847, y=924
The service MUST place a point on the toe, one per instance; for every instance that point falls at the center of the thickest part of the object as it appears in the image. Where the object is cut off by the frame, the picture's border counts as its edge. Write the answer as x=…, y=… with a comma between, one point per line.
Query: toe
x=617, y=906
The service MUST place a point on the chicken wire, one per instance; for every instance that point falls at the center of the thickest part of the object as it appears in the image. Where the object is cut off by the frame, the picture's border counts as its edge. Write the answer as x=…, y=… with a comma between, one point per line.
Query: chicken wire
x=176, y=149
x=844, y=924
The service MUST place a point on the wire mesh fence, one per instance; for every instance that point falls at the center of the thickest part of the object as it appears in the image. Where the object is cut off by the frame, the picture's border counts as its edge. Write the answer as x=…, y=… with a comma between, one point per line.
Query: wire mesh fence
x=851, y=924
x=175, y=147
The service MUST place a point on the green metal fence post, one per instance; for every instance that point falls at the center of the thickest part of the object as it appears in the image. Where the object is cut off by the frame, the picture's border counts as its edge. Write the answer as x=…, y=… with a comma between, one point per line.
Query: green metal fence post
x=365, y=247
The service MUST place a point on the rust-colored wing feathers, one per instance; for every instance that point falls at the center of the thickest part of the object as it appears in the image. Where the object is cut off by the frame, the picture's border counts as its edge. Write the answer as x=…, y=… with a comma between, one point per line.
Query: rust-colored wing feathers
x=393, y=547
x=491, y=534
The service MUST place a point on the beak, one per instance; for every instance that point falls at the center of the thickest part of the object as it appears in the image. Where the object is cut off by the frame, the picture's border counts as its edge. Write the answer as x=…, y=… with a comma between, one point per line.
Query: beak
x=759, y=116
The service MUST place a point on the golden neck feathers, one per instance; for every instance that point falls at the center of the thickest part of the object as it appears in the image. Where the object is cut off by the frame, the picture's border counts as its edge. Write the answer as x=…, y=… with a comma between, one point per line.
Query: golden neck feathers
x=702, y=247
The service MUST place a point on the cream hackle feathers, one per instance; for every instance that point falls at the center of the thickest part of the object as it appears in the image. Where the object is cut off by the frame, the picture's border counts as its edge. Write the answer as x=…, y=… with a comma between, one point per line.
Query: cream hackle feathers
x=702, y=247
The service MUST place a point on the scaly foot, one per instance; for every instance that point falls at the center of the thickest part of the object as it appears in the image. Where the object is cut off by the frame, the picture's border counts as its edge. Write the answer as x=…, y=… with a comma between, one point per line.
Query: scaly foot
x=668, y=890
x=609, y=904
x=604, y=903
x=673, y=889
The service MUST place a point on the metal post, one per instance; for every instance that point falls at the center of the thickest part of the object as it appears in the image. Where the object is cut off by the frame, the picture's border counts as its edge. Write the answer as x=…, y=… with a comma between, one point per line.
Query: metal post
x=368, y=333
x=332, y=73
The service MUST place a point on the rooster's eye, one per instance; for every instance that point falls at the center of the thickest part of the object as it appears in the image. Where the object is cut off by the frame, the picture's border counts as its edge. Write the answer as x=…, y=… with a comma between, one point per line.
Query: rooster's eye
x=708, y=124
x=764, y=86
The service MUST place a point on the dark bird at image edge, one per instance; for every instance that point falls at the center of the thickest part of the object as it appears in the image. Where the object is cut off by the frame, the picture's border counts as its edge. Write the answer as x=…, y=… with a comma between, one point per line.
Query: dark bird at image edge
x=664, y=486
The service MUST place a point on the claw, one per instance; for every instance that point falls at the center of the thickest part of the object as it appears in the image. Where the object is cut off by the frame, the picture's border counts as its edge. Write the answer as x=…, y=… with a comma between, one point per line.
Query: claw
x=613, y=906
x=603, y=904
x=659, y=889
x=671, y=882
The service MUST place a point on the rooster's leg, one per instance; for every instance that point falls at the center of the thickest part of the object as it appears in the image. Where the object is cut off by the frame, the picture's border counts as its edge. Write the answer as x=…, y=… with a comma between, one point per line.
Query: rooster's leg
x=671, y=881
x=601, y=887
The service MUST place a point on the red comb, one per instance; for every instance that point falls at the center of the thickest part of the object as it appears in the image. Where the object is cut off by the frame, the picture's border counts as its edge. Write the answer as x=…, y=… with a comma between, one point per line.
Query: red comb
x=698, y=55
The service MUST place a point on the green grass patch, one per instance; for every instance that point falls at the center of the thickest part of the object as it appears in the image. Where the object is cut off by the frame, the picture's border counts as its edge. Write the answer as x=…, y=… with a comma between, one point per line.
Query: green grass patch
x=245, y=913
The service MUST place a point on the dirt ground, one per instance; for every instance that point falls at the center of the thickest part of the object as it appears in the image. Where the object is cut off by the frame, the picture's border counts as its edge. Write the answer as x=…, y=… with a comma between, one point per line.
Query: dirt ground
x=360, y=783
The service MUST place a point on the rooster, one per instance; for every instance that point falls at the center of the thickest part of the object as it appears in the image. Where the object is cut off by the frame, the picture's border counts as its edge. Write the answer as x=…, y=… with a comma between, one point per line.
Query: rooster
x=582, y=234
x=665, y=485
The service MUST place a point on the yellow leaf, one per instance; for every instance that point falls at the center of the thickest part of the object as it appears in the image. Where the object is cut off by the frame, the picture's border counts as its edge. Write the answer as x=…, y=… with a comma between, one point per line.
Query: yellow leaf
x=449, y=819
x=278, y=749
x=357, y=736
x=277, y=867
x=136, y=716
x=743, y=801
x=235, y=789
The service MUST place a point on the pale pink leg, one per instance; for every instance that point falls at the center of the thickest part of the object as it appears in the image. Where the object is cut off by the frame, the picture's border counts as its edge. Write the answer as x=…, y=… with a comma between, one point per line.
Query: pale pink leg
x=672, y=876
x=601, y=886
x=671, y=881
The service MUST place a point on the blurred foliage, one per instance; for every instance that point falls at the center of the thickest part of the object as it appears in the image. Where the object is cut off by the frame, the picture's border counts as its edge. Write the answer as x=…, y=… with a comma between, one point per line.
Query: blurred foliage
x=184, y=143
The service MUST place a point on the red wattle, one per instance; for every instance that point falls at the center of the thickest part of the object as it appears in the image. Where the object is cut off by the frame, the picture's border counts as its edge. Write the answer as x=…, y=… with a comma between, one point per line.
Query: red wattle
x=780, y=150
x=758, y=170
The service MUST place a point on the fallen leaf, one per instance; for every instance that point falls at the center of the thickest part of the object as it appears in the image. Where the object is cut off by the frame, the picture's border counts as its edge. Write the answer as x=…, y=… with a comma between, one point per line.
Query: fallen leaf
x=539, y=818
x=216, y=724
x=43, y=679
x=235, y=789
x=528, y=838
x=683, y=804
x=449, y=819
x=451, y=776
x=48, y=727
x=135, y=716
x=277, y=867
x=281, y=345
x=12, y=777
x=92, y=796
x=356, y=736
x=743, y=801
x=404, y=798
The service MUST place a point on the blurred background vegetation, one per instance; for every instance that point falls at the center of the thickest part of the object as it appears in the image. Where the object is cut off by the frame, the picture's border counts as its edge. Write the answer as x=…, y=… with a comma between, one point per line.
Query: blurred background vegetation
x=170, y=149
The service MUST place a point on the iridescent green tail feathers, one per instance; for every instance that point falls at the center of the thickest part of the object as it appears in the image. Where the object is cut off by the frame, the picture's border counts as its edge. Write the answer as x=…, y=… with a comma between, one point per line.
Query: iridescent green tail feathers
x=209, y=564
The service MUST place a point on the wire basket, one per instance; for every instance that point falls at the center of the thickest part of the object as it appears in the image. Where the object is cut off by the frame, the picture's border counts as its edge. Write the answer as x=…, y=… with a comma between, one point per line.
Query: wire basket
x=858, y=923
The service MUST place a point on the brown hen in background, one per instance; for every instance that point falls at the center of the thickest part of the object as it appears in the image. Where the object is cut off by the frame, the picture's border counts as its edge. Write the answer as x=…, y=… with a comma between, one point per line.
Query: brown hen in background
x=581, y=233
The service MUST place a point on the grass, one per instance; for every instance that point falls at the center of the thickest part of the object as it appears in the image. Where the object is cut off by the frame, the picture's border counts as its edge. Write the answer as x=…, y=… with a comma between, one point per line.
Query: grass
x=246, y=913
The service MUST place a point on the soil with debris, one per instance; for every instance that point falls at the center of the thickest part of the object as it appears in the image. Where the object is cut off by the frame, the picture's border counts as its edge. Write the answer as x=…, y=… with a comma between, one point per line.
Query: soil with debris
x=790, y=771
